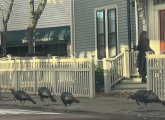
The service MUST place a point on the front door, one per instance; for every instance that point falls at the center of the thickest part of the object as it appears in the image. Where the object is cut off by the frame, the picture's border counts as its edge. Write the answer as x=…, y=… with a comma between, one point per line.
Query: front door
x=162, y=30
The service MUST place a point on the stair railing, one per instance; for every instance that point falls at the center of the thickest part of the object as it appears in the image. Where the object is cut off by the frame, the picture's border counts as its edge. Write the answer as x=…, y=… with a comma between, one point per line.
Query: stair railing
x=113, y=71
x=131, y=63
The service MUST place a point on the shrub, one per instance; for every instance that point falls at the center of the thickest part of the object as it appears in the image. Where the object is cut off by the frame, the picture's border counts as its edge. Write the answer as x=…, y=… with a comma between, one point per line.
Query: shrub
x=99, y=78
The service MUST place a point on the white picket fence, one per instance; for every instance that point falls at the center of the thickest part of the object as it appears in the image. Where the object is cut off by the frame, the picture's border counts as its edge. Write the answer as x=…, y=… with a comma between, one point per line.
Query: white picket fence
x=73, y=75
x=156, y=74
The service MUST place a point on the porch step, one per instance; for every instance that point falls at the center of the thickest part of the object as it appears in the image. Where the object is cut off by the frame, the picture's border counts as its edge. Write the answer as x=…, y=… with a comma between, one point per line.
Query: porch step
x=132, y=80
x=129, y=85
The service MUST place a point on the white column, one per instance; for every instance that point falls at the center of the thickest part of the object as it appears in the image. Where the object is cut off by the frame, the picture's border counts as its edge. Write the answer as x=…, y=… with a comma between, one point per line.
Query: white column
x=106, y=67
x=92, y=77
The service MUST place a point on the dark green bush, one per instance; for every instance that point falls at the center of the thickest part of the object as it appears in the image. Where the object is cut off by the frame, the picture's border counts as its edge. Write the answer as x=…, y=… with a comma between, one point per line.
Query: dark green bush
x=99, y=78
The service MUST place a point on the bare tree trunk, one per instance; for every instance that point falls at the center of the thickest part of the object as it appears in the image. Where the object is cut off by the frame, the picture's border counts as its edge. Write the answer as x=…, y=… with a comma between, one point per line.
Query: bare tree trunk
x=4, y=39
x=33, y=23
x=31, y=42
x=4, y=33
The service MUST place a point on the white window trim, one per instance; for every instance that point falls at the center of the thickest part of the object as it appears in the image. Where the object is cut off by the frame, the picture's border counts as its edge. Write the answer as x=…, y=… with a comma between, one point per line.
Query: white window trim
x=106, y=8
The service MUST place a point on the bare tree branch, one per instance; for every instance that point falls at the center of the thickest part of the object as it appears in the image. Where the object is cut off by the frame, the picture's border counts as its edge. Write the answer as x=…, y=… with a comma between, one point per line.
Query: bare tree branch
x=5, y=21
x=9, y=12
x=36, y=15
x=33, y=23
x=31, y=7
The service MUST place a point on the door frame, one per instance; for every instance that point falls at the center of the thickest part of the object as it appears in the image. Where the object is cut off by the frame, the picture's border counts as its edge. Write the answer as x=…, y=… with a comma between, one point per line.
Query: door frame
x=154, y=25
x=162, y=40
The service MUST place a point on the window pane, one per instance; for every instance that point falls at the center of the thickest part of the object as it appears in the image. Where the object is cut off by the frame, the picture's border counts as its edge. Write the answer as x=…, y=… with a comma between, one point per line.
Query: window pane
x=112, y=33
x=112, y=21
x=100, y=21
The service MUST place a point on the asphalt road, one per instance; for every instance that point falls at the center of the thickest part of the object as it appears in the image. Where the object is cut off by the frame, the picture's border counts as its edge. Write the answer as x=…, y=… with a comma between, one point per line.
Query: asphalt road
x=13, y=113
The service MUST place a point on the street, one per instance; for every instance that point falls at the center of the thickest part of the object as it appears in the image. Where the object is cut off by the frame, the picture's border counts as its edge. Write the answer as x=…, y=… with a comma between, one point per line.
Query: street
x=13, y=113
x=103, y=108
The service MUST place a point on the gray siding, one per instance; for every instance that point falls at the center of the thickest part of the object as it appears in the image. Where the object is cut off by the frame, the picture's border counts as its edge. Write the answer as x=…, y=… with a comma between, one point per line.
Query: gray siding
x=53, y=15
x=85, y=24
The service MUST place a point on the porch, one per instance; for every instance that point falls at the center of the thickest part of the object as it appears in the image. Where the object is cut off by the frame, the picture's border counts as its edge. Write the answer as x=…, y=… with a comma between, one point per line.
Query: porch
x=121, y=75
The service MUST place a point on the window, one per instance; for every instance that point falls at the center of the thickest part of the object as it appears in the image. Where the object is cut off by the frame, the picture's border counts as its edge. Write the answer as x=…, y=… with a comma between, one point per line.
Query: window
x=106, y=25
x=100, y=33
x=112, y=33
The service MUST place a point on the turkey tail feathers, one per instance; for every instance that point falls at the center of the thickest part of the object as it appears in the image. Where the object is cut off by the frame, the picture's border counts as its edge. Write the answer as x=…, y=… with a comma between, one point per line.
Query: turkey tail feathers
x=32, y=101
x=162, y=102
x=52, y=99
x=77, y=101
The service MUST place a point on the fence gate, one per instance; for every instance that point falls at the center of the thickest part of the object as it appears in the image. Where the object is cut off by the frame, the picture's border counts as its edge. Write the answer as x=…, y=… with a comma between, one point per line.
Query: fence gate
x=156, y=74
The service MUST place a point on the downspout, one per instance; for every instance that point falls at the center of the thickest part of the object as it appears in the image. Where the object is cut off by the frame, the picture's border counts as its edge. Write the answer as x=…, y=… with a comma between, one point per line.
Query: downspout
x=72, y=30
x=136, y=22
x=129, y=24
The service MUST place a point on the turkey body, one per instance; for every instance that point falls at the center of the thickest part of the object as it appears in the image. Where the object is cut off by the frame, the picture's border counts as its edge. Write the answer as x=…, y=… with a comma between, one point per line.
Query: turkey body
x=146, y=96
x=68, y=98
x=45, y=93
x=22, y=96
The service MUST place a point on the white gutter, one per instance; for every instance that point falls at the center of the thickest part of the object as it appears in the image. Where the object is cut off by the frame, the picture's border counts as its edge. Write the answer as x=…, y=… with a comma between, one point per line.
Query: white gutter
x=72, y=30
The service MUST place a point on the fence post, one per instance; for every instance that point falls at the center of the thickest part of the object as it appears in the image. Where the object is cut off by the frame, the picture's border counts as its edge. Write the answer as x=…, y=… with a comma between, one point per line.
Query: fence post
x=14, y=85
x=106, y=68
x=34, y=74
x=16, y=80
x=148, y=75
x=55, y=76
x=126, y=64
x=92, y=77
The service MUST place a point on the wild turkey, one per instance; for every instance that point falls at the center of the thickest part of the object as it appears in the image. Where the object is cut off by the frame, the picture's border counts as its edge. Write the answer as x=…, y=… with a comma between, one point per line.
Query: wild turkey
x=67, y=98
x=44, y=92
x=145, y=96
x=22, y=96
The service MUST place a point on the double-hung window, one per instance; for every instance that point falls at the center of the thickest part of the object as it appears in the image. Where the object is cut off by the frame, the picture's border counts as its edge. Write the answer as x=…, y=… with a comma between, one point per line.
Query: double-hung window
x=106, y=27
x=100, y=33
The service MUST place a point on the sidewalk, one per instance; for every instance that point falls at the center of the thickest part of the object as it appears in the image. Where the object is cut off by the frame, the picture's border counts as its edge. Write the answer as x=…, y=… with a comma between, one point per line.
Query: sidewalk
x=113, y=105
